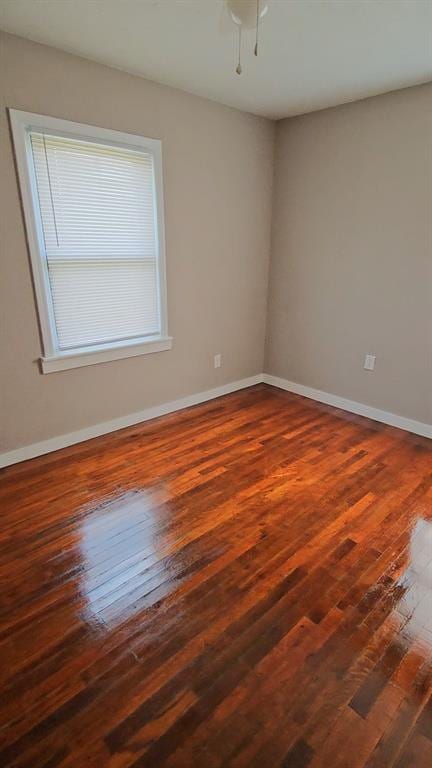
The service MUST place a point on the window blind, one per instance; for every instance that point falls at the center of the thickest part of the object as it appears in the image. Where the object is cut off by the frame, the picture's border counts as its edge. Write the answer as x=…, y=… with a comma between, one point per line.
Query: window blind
x=99, y=229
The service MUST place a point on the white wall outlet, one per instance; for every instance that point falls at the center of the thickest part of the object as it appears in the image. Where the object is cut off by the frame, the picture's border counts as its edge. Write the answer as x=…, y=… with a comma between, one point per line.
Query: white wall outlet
x=369, y=363
x=217, y=361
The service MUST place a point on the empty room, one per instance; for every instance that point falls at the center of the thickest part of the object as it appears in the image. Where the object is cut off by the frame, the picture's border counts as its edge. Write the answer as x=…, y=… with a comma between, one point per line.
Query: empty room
x=216, y=383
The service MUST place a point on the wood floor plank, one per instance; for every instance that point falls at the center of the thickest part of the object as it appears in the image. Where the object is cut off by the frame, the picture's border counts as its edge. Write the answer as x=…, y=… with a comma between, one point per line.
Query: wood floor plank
x=247, y=582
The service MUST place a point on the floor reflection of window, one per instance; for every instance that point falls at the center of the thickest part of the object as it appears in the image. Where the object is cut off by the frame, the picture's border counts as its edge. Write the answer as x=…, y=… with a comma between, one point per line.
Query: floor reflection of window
x=416, y=603
x=119, y=549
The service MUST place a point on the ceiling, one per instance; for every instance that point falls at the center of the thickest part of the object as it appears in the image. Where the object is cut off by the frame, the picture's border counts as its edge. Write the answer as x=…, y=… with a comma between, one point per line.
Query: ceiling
x=313, y=53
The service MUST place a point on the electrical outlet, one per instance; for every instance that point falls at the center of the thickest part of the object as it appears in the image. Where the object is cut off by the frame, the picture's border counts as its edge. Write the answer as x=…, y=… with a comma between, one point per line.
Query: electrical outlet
x=217, y=361
x=369, y=363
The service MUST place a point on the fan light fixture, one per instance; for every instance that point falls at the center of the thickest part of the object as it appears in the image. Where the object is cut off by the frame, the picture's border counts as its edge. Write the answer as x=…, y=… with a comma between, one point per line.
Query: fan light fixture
x=246, y=14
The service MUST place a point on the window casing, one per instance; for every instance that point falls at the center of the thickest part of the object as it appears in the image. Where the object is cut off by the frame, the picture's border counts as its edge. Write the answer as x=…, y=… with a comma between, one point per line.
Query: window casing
x=93, y=205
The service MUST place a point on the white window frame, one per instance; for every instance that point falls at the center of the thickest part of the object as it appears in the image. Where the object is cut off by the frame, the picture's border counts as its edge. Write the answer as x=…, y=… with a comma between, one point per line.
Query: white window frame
x=53, y=358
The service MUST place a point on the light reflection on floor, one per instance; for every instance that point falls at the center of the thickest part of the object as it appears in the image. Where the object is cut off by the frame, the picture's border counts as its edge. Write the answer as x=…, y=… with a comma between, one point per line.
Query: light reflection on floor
x=416, y=603
x=119, y=546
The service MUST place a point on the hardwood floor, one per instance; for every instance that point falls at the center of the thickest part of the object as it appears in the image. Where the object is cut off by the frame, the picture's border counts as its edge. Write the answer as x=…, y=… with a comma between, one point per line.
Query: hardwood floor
x=243, y=583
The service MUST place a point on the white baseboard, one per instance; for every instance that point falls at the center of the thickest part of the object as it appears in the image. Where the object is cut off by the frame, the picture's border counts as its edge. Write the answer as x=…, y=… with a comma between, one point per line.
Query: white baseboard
x=63, y=441
x=409, y=425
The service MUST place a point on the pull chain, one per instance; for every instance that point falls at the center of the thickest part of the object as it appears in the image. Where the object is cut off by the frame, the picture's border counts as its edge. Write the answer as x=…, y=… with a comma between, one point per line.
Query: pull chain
x=239, y=67
x=257, y=25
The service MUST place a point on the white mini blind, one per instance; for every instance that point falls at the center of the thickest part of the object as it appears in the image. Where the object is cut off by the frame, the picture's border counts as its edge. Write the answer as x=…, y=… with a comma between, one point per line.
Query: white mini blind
x=99, y=228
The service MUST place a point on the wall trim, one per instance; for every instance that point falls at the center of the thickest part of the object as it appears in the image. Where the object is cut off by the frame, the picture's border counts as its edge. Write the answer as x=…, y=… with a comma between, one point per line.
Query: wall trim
x=409, y=425
x=105, y=427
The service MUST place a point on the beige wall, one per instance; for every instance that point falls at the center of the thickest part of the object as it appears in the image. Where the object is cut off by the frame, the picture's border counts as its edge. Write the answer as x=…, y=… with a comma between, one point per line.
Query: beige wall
x=351, y=268
x=218, y=176
x=351, y=264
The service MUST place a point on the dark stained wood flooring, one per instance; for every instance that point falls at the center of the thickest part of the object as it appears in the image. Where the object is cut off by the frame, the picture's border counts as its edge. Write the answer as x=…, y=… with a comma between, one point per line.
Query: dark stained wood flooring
x=244, y=583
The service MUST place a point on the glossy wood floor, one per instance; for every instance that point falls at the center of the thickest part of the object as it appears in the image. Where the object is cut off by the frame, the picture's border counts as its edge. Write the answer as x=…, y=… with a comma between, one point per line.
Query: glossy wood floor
x=244, y=583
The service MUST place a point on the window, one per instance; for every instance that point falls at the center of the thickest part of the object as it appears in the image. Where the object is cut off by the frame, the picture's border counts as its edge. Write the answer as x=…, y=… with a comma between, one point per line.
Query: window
x=93, y=206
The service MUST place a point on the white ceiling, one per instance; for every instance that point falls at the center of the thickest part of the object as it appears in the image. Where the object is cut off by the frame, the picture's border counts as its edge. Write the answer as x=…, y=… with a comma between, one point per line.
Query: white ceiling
x=314, y=53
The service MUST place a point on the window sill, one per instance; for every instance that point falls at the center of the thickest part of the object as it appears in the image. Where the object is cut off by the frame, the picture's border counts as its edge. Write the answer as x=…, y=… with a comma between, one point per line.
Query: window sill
x=103, y=354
